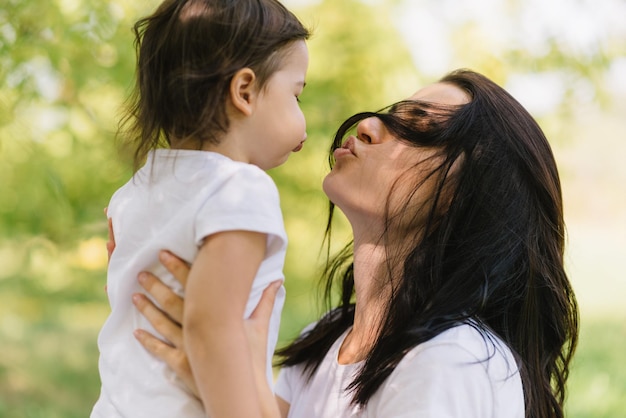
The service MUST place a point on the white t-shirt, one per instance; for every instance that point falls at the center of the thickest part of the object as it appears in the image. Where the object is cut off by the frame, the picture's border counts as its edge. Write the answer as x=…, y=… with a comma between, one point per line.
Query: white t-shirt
x=178, y=198
x=457, y=374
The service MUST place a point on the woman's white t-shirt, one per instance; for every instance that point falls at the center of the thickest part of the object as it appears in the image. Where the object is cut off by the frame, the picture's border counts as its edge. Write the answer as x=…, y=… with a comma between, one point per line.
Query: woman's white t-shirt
x=460, y=373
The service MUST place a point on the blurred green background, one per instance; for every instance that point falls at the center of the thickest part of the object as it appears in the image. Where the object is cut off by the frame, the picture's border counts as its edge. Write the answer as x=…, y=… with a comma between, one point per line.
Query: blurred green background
x=67, y=65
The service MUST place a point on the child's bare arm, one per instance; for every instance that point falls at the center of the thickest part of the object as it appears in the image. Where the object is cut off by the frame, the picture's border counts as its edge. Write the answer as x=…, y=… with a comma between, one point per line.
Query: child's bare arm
x=215, y=340
x=167, y=323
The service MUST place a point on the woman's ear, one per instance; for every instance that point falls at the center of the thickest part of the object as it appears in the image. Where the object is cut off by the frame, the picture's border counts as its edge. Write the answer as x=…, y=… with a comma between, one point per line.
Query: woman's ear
x=243, y=90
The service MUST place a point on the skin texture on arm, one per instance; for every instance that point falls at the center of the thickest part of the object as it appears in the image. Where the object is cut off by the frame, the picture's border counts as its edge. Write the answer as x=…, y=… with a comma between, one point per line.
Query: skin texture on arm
x=167, y=322
x=217, y=290
x=283, y=407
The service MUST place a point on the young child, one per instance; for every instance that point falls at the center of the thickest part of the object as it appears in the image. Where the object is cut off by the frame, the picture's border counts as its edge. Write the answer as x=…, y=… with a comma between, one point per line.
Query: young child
x=216, y=104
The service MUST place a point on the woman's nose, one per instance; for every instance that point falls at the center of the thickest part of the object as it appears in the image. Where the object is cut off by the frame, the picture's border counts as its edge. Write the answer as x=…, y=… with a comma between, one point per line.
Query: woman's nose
x=370, y=130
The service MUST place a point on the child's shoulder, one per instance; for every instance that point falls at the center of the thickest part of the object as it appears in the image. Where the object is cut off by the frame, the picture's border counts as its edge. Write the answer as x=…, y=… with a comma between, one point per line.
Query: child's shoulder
x=253, y=181
x=244, y=172
x=192, y=165
x=218, y=172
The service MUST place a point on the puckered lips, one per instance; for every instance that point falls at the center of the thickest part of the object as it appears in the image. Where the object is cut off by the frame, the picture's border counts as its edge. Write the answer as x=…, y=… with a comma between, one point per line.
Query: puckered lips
x=299, y=147
x=346, y=149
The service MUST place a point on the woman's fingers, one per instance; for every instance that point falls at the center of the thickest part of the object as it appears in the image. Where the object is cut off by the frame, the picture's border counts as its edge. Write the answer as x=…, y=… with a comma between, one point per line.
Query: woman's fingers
x=170, y=302
x=155, y=346
x=166, y=321
x=179, y=268
x=174, y=357
x=258, y=324
x=263, y=310
x=110, y=245
x=111, y=236
x=162, y=323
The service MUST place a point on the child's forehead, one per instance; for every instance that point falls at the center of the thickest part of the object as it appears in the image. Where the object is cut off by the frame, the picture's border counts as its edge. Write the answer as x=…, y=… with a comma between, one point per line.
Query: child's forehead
x=294, y=59
x=296, y=48
x=297, y=53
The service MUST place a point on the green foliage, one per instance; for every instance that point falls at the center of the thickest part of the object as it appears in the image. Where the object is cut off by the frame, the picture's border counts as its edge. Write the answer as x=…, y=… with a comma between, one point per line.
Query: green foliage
x=598, y=383
x=66, y=67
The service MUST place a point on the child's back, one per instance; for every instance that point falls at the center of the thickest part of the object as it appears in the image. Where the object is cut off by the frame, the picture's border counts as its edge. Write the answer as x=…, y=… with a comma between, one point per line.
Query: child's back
x=174, y=201
x=218, y=82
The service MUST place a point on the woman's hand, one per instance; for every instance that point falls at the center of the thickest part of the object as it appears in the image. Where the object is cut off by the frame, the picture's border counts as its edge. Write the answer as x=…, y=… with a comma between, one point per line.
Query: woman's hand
x=167, y=319
x=257, y=327
x=168, y=316
x=111, y=236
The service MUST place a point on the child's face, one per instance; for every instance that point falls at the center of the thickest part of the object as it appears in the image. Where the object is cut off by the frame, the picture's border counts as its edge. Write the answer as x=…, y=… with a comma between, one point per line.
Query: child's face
x=280, y=127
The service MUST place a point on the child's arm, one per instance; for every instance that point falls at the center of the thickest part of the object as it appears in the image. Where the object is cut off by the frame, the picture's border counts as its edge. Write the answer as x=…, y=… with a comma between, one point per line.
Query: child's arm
x=167, y=323
x=217, y=291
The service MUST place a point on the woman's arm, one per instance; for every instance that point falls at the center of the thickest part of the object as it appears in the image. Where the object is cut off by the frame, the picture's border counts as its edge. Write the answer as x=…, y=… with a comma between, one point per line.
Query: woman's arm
x=167, y=323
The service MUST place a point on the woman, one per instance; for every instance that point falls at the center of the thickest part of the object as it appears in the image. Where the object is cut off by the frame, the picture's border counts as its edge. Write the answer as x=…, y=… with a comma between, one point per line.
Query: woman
x=454, y=300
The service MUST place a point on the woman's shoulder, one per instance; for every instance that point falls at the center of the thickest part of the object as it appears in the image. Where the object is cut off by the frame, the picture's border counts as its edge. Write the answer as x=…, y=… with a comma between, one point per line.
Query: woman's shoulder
x=465, y=343
x=464, y=371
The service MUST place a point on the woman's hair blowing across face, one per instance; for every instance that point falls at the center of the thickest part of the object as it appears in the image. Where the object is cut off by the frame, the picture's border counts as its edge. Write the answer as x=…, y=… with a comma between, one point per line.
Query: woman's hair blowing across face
x=187, y=53
x=490, y=252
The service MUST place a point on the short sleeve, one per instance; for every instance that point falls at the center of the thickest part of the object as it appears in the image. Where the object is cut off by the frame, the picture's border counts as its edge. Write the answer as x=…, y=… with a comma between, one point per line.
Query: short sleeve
x=246, y=199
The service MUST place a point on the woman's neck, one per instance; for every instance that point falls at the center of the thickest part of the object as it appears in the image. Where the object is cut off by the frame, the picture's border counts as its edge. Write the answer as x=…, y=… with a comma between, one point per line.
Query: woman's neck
x=378, y=261
x=371, y=300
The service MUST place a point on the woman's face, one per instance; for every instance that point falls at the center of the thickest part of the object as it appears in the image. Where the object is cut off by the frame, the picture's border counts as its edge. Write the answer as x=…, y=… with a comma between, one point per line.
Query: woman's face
x=374, y=168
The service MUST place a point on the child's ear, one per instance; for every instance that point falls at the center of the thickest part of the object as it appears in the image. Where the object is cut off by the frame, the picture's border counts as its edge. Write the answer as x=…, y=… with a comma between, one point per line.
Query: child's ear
x=243, y=90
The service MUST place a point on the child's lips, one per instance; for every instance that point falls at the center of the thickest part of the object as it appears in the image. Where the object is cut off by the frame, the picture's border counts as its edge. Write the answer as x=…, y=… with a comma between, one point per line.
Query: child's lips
x=299, y=147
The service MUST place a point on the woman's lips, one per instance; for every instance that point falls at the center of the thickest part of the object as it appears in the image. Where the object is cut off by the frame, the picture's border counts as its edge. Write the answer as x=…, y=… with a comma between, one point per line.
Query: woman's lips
x=346, y=149
x=341, y=152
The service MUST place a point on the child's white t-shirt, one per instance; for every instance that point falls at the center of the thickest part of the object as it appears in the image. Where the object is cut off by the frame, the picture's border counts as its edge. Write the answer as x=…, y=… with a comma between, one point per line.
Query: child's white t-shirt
x=178, y=198
x=458, y=374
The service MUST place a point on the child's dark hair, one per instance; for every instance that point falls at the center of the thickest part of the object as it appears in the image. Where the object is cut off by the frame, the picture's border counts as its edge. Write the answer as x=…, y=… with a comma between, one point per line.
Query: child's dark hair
x=187, y=53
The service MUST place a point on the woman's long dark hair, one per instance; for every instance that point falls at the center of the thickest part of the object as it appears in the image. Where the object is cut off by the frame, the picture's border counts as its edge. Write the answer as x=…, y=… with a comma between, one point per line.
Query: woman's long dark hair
x=490, y=254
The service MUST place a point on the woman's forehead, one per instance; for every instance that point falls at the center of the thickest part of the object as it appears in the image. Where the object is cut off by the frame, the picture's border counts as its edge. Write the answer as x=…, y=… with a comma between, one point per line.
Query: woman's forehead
x=442, y=93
